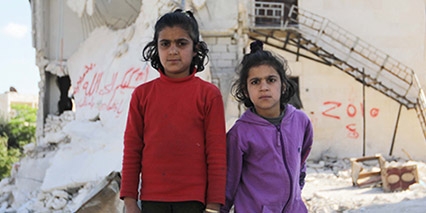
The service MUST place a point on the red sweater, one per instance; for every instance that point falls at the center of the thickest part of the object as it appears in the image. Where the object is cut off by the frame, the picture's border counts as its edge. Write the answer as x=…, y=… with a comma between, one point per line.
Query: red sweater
x=176, y=139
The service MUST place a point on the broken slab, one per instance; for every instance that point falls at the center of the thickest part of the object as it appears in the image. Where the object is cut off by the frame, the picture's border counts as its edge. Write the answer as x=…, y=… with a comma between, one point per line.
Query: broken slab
x=105, y=197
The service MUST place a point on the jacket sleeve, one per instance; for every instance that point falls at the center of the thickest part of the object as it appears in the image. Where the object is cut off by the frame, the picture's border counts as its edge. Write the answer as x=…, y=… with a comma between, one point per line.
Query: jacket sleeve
x=306, y=149
x=234, y=169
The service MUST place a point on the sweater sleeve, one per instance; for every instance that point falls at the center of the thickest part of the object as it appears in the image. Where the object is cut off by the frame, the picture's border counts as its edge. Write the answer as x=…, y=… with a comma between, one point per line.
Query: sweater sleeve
x=132, y=153
x=215, y=149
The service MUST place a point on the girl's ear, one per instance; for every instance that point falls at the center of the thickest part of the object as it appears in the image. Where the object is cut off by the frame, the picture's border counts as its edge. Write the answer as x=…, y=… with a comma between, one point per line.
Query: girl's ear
x=196, y=48
x=283, y=88
x=246, y=93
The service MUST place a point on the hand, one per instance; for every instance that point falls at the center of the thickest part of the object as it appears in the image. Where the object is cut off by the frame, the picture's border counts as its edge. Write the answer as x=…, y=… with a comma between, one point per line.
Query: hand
x=212, y=206
x=131, y=205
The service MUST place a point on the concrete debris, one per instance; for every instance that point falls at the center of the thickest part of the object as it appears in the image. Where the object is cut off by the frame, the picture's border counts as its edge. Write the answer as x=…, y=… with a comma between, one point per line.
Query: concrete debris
x=92, y=197
x=21, y=192
x=54, y=124
x=328, y=191
x=328, y=188
x=104, y=197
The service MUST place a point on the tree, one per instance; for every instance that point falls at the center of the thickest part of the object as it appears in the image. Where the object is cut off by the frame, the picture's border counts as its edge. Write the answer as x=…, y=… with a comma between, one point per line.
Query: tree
x=7, y=158
x=15, y=134
x=22, y=126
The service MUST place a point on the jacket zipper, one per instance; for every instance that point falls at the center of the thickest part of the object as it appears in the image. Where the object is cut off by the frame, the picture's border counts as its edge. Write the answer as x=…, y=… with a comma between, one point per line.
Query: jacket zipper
x=281, y=143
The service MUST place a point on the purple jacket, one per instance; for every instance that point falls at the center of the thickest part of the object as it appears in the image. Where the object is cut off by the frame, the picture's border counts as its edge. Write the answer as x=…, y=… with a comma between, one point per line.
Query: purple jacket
x=265, y=163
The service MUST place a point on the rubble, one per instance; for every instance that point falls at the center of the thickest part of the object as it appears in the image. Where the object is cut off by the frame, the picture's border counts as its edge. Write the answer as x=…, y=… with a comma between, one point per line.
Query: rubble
x=104, y=197
x=22, y=191
x=329, y=185
x=328, y=191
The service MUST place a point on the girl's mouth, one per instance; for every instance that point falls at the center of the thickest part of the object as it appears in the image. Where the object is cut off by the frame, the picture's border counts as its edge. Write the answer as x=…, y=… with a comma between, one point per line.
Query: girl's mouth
x=264, y=97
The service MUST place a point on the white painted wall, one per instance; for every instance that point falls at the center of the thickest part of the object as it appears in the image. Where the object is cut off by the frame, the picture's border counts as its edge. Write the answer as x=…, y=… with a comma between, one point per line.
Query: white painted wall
x=396, y=27
x=333, y=100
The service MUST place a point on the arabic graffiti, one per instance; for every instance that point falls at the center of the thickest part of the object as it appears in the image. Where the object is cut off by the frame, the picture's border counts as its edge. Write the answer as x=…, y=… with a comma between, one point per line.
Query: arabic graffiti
x=95, y=89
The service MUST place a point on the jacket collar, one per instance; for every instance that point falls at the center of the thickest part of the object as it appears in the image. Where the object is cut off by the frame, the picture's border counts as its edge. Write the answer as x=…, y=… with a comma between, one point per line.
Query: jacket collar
x=250, y=117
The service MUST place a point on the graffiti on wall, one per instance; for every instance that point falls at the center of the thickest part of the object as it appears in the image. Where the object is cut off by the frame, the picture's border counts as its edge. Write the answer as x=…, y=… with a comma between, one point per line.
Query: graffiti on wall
x=97, y=90
x=333, y=109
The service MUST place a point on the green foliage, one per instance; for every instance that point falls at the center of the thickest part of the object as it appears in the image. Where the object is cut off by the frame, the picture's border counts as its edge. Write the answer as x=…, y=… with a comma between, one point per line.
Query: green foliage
x=21, y=128
x=15, y=134
x=7, y=158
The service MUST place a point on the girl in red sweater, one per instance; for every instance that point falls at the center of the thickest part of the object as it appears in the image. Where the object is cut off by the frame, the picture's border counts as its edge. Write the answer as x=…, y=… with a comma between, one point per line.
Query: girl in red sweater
x=174, y=157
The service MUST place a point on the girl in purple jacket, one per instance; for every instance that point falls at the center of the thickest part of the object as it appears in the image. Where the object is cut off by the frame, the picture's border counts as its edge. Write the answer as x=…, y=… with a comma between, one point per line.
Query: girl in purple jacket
x=268, y=145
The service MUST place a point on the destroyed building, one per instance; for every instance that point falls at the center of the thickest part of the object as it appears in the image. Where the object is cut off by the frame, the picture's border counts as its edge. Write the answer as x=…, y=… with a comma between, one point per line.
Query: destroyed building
x=359, y=66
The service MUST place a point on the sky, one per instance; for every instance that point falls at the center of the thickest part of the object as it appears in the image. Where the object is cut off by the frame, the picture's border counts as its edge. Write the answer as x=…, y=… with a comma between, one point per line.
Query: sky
x=17, y=55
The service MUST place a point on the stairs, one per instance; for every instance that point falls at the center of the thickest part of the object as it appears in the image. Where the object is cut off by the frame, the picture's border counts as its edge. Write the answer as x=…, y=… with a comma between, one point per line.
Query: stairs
x=317, y=38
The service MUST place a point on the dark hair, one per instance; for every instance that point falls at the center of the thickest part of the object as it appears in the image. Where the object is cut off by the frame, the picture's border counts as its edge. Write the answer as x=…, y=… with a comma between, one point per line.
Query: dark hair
x=257, y=57
x=186, y=21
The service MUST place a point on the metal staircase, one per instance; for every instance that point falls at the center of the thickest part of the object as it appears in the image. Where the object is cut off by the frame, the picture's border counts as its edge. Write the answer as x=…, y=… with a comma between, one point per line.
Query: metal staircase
x=317, y=38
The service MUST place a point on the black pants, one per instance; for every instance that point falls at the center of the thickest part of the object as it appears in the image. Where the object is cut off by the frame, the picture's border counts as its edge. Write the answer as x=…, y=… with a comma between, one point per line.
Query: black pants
x=172, y=207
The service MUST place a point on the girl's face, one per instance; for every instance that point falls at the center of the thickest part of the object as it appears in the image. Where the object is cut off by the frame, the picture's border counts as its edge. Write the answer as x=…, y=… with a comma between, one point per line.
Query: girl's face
x=264, y=88
x=175, y=49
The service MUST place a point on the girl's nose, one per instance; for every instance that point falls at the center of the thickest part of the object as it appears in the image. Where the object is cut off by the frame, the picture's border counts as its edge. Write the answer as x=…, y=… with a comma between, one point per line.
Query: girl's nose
x=263, y=85
x=173, y=50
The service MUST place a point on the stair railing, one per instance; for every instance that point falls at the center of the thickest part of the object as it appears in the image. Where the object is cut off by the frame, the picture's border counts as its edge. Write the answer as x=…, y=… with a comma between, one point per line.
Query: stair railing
x=384, y=73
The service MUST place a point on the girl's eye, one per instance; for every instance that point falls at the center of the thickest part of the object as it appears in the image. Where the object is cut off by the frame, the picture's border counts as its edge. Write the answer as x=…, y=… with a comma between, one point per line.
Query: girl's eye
x=272, y=80
x=254, y=82
x=182, y=43
x=164, y=44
